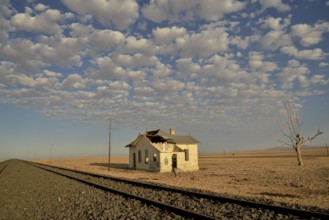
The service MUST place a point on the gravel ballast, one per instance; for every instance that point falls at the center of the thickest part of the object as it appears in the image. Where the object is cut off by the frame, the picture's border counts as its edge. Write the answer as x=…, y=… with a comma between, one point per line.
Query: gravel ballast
x=28, y=192
x=201, y=205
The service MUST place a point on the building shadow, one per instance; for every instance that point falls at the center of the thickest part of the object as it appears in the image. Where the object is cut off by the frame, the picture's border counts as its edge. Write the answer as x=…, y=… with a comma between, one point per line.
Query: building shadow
x=122, y=166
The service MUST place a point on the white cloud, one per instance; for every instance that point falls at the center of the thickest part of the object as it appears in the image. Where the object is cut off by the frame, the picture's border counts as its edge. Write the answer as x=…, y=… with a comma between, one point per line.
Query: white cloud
x=40, y=7
x=272, y=40
x=106, y=68
x=277, y=36
x=211, y=10
x=281, y=7
x=73, y=81
x=214, y=9
x=143, y=91
x=46, y=22
x=106, y=39
x=115, y=91
x=48, y=73
x=121, y=13
x=191, y=68
x=135, y=75
x=275, y=23
x=240, y=43
x=85, y=94
x=167, y=86
x=134, y=45
x=315, y=79
x=204, y=43
x=80, y=30
x=256, y=63
x=315, y=54
x=156, y=11
x=291, y=73
x=7, y=73
x=323, y=64
x=45, y=82
x=168, y=34
x=223, y=69
x=162, y=70
x=186, y=68
x=64, y=52
x=310, y=35
x=136, y=60
x=5, y=9
x=103, y=90
x=24, y=53
x=119, y=85
x=11, y=76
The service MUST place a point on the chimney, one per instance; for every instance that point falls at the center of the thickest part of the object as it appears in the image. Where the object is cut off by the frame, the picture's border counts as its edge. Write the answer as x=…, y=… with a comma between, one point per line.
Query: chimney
x=172, y=131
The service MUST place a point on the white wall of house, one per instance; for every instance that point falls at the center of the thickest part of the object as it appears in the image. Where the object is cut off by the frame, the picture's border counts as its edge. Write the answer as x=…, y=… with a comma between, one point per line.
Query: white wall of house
x=159, y=156
x=132, y=150
x=144, y=162
x=184, y=162
x=164, y=147
x=165, y=161
x=188, y=161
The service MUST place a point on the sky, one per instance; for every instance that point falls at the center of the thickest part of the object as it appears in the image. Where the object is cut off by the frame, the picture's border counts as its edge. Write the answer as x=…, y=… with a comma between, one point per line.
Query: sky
x=219, y=70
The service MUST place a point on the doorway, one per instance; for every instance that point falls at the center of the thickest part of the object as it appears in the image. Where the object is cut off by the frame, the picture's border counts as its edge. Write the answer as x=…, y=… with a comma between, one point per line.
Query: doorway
x=174, y=160
x=134, y=160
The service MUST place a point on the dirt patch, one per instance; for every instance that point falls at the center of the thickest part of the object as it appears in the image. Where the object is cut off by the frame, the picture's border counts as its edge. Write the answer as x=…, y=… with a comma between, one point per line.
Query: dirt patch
x=261, y=174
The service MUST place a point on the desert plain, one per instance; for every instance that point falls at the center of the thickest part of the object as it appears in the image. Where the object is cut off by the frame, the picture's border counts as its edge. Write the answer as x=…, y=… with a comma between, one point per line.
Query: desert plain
x=263, y=174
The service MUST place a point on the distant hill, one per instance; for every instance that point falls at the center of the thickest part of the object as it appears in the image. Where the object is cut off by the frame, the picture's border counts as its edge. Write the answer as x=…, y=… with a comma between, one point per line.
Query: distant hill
x=278, y=148
x=288, y=148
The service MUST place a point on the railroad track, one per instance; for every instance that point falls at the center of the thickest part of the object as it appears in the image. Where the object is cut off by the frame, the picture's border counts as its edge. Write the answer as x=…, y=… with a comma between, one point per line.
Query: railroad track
x=186, y=203
x=28, y=192
x=3, y=165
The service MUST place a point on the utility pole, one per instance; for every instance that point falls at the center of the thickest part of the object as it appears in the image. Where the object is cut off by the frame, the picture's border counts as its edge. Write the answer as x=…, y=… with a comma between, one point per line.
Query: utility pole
x=327, y=149
x=110, y=122
x=51, y=152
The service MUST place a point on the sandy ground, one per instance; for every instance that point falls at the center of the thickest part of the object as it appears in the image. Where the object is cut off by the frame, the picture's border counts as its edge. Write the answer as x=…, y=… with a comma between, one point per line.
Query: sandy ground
x=271, y=174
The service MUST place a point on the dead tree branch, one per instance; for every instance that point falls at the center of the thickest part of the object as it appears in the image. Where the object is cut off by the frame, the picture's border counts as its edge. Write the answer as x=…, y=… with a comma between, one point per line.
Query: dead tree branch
x=294, y=136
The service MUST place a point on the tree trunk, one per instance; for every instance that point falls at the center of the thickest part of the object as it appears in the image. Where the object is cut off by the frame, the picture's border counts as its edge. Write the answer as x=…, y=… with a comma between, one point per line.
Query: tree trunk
x=299, y=155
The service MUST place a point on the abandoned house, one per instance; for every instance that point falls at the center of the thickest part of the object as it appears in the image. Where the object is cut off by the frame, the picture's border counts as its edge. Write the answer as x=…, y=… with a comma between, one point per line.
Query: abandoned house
x=160, y=151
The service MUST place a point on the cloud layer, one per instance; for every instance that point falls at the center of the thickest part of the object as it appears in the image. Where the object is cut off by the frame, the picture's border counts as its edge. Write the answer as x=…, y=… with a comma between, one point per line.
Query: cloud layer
x=168, y=62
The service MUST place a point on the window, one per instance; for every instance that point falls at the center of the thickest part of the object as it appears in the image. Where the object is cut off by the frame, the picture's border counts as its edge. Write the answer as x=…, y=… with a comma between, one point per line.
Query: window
x=154, y=157
x=186, y=154
x=146, y=156
x=139, y=156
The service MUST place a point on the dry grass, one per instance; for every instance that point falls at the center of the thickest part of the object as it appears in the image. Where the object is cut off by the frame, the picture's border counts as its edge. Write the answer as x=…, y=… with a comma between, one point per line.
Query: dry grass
x=271, y=174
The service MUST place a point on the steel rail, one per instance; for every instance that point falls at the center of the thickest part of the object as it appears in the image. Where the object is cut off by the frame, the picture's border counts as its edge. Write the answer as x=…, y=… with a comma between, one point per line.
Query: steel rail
x=167, y=207
x=244, y=203
x=6, y=162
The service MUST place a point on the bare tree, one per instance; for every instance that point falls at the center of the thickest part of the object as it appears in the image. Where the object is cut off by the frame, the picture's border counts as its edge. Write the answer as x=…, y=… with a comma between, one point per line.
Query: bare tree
x=294, y=136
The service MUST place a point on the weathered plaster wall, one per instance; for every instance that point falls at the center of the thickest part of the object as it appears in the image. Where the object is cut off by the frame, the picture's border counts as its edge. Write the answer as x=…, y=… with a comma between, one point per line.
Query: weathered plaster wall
x=151, y=162
x=160, y=156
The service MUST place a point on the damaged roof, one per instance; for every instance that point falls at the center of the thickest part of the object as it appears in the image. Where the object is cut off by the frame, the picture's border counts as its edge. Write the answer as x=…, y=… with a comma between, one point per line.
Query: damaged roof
x=162, y=136
x=134, y=142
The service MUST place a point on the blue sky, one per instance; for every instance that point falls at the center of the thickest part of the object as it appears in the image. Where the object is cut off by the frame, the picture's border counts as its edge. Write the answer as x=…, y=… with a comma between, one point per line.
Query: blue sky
x=217, y=69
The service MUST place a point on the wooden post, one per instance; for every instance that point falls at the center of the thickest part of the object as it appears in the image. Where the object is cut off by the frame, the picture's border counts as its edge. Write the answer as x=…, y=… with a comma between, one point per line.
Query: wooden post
x=51, y=152
x=110, y=120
